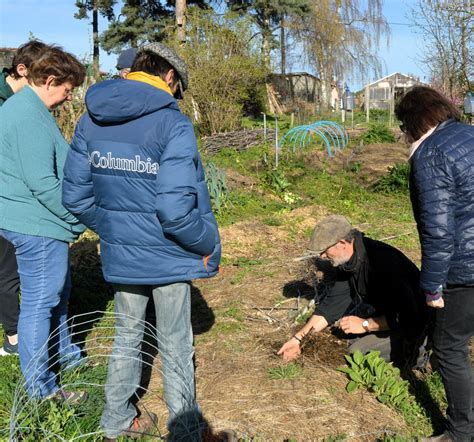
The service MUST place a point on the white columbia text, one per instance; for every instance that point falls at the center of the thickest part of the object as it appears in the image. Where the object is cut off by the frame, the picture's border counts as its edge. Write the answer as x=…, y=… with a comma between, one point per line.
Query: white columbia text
x=131, y=165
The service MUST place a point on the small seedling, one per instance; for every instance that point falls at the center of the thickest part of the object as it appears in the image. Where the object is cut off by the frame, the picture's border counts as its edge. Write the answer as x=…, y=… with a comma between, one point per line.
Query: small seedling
x=288, y=371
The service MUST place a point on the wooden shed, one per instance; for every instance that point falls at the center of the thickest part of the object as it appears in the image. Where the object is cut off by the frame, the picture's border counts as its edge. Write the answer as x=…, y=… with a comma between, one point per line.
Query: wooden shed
x=296, y=90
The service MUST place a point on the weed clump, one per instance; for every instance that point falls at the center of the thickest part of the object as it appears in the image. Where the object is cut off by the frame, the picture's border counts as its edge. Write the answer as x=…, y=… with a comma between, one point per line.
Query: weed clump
x=288, y=371
x=396, y=181
x=378, y=133
x=374, y=374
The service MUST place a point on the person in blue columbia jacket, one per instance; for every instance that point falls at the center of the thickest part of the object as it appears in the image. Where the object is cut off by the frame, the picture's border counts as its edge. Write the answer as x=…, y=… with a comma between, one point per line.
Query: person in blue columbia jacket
x=135, y=177
x=442, y=194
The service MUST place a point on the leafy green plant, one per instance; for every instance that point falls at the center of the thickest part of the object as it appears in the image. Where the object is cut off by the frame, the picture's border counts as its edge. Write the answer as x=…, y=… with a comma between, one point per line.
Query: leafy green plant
x=47, y=419
x=217, y=185
x=374, y=374
x=396, y=181
x=275, y=180
x=221, y=92
x=287, y=371
x=378, y=133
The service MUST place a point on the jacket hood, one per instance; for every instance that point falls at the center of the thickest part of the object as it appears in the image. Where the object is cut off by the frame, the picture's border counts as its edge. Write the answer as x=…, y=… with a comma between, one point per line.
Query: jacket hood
x=116, y=101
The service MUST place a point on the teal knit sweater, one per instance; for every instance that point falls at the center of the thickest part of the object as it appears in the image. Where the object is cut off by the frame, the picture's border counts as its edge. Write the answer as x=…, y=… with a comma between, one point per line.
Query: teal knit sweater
x=32, y=156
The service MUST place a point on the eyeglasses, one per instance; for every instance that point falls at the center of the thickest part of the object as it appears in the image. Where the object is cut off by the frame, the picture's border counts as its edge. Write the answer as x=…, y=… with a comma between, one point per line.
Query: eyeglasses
x=68, y=91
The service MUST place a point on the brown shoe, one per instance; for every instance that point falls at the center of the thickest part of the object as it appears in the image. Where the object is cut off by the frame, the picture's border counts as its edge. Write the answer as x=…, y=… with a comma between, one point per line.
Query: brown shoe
x=441, y=438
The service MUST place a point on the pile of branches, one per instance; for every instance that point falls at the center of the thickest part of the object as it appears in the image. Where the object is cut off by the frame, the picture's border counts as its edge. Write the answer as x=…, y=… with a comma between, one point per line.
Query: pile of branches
x=238, y=140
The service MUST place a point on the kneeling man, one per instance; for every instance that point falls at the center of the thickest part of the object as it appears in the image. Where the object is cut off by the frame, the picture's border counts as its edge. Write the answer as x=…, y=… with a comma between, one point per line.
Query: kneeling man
x=375, y=295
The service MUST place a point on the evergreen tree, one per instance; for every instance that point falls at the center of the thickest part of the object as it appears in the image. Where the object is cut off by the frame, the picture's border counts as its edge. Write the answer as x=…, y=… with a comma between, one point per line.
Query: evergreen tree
x=105, y=8
x=140, y=21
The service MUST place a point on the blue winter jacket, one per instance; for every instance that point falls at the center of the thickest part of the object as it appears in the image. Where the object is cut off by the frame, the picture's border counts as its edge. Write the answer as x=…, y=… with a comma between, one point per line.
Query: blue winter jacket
x=134, y=176
x=442, y=193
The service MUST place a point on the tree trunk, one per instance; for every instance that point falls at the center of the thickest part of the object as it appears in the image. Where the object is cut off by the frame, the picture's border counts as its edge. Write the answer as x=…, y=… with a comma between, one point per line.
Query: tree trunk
x=266, y=35
x=283, y=44
x=180, y=13
x=95, y=41
x=325, y=89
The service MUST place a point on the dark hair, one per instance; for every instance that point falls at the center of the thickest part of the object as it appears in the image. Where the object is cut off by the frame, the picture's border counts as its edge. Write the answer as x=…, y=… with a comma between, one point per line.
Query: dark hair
x=26, y=54
x=153, y=64
x=422, y=108
x=63, y=65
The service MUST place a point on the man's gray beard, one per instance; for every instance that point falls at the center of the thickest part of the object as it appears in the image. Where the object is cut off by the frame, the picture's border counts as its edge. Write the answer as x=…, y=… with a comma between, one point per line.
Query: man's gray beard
x=339, y=262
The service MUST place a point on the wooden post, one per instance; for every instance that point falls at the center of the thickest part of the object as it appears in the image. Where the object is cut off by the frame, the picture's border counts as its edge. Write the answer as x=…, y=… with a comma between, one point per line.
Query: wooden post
x=180, y=12
x=292, y=122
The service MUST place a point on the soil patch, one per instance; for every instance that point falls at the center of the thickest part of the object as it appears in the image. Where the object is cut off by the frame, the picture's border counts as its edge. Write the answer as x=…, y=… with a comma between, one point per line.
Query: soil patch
x=371, y=161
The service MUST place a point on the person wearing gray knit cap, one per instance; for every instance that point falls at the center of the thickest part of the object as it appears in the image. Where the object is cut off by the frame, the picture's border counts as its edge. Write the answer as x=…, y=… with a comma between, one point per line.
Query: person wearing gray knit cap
x=134, y=175
x=372, y=295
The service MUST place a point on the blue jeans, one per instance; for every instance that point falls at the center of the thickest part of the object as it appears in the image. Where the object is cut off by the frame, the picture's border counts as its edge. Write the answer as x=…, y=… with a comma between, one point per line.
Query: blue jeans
x=43, y=265
x=175, y=344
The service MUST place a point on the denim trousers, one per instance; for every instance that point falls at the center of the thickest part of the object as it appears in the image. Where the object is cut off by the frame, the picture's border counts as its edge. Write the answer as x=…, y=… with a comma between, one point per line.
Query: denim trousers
x=175, y=345
x=43, y=266
x=452, y=331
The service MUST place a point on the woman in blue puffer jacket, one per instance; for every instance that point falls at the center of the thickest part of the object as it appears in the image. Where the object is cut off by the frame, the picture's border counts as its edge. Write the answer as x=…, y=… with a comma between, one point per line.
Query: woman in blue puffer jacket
x=442, y=193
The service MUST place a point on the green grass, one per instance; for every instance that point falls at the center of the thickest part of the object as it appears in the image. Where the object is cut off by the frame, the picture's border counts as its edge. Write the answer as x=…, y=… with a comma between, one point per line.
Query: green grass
x=38, y=419
x=285, y=372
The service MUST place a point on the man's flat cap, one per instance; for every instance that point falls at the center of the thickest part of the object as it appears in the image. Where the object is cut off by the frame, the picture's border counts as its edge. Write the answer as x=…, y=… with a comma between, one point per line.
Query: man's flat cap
x=328, y=232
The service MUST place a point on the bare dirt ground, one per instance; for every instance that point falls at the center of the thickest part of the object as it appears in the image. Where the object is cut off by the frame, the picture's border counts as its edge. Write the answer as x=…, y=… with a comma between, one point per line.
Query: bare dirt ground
x=372, y=160
x=234, y=387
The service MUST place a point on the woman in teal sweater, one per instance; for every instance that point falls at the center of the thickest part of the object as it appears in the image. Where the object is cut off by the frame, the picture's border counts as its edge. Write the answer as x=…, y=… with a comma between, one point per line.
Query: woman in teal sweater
x=33, y=219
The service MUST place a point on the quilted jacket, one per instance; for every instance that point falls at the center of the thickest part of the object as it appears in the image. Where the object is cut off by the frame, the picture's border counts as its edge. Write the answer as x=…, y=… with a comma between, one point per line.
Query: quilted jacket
x=135, y=177
x=442, y=193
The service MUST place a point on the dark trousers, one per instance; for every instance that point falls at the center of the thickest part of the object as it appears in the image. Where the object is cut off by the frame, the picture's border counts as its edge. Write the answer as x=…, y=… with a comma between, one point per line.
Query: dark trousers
x=404, y=352
x=9, y=286
x=453, y=329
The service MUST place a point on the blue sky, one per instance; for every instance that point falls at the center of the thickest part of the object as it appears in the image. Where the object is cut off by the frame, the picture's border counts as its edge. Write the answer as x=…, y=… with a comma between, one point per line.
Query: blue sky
x=53, y=22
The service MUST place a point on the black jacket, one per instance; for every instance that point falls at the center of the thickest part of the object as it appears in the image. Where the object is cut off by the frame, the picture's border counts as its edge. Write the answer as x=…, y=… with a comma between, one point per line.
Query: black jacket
x=442, y=194
x=378, y=280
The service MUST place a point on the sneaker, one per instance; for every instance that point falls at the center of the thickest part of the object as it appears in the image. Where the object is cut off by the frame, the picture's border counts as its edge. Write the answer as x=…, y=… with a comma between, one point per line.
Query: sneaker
x=72, y=398
x=140, y=427
x=8, y=348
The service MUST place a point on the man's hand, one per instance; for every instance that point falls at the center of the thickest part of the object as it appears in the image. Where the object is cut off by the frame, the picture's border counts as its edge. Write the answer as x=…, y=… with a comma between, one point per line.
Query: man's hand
x=290, y=350
x=352, y=325
x=439, y=303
